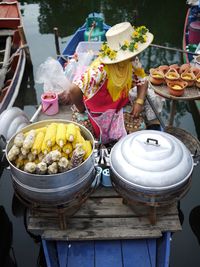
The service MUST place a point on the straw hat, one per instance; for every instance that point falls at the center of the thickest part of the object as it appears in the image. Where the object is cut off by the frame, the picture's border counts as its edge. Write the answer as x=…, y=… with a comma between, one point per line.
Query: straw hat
x=124, y=42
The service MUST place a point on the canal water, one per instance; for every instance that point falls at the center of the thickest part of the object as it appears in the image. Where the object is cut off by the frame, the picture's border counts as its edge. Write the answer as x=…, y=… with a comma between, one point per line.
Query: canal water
x=165, y=19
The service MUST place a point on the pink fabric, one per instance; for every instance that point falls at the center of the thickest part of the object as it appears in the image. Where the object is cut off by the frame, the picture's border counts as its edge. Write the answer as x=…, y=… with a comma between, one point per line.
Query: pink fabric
x=111, y=125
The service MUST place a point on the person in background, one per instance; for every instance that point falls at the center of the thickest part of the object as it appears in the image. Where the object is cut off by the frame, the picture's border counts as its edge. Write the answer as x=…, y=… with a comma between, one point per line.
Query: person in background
x=109, y=96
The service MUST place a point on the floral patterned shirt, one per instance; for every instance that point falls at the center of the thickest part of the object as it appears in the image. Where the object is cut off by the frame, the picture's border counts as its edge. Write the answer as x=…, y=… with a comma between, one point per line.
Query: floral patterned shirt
x=93, y=78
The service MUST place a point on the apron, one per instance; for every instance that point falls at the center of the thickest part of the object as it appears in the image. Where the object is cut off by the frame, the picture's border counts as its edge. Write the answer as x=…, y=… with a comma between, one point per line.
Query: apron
x=106, y=116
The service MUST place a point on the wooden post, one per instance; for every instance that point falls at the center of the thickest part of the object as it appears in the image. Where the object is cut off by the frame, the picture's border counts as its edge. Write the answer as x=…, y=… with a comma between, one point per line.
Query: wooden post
x=55, y=29
x=172, y=112
x=24, y=42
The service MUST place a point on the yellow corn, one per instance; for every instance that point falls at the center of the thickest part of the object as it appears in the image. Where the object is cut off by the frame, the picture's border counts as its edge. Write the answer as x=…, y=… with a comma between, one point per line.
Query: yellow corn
x=37, y=145
x=61, y=134
x=19, y=162
x=79, y=140
x=88, y=149
x=71, y=132
x=67, y=148
x=37, y=130
x=56, y=147
x=45, y=149
x=64, y=155
x=50, y=136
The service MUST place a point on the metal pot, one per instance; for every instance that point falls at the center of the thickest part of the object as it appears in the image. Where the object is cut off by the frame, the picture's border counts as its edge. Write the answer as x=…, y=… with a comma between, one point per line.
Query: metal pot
x=151, y=166
x=58, y=188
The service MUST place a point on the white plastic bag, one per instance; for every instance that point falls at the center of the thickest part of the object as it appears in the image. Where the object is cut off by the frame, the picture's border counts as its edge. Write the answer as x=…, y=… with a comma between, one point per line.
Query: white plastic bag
x=52, y=75
x=77, y=65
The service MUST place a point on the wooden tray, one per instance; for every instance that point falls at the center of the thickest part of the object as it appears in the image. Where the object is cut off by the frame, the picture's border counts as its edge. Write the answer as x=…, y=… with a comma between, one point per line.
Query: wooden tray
x=190, y=93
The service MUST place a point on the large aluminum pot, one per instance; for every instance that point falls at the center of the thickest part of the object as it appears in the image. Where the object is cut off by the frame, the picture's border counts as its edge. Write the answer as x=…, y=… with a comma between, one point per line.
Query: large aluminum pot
x=58, y=188
x=151, y=166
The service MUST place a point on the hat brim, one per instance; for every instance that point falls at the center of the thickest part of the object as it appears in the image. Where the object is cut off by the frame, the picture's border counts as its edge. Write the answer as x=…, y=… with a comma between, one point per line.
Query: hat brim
x=124, y=55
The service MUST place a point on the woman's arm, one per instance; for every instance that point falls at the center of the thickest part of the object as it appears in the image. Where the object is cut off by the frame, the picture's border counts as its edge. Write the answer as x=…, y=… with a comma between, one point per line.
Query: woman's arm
x=141, y=94
x=73, y=95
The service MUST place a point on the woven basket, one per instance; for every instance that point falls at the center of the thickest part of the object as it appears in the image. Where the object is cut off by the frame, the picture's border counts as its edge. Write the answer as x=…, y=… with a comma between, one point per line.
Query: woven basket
x=191, y=142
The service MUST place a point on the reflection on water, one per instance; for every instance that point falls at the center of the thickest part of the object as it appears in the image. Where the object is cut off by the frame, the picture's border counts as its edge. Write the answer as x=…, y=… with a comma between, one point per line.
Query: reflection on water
x=165, y=19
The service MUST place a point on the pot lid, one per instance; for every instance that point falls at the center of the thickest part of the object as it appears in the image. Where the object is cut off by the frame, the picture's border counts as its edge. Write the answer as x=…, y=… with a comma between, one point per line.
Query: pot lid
x=151, y=160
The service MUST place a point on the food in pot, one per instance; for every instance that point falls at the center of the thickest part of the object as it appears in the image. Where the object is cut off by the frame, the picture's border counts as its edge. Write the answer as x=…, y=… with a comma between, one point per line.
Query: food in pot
x=30, y=167
x=53, y=168
x=51, y=157
x=66, y=154
x=19, y=139
x=71, y=132
x=37, y=145
x=41, y=168
x=63, y=164
x=50, y=137
x=77, y=157
x=14, y=151
x=61, y=134
x=29, y=140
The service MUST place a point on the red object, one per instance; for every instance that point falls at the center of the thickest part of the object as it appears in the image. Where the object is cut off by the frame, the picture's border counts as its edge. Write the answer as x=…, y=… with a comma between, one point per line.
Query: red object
x=194, y=32
x=101, y=102
x=9, y=15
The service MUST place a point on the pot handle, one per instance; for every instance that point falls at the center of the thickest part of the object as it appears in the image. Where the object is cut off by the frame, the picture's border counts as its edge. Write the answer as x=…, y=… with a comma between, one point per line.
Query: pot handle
x=196, y=158
x=151, y=141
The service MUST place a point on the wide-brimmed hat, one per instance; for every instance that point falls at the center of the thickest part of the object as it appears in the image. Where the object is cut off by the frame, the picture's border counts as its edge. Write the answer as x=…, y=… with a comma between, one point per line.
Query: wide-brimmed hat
x=124, y=42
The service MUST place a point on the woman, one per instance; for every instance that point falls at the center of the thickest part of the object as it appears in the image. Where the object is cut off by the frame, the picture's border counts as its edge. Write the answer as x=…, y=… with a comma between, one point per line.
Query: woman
x=104, y=92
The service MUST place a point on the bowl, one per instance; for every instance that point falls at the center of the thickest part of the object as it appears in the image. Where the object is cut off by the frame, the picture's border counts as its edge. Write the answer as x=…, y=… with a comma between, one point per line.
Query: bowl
x=176, y=88
x=189, y=77
x=172, y=75
x=163, y=68
x=156, y=76
x=175, y=66
x=184, y=67
x=197, y=81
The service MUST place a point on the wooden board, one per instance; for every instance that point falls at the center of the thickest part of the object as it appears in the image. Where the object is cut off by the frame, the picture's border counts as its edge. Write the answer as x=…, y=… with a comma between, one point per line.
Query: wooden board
x=105, y=218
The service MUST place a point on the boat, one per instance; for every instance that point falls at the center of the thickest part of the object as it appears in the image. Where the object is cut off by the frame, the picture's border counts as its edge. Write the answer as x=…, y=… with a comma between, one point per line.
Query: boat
x=192, y=15
x=106, y=252
x=113, y=253
x=12, y=53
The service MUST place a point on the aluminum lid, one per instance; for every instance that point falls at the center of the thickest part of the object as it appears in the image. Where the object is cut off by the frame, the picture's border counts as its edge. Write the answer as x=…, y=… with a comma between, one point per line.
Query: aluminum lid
x=151, y=160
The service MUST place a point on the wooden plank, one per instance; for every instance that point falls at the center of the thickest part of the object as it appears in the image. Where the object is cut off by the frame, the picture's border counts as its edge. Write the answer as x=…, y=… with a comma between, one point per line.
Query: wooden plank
x=62, y=249
x=81, y=254
x=108, y=254
x=135, y=253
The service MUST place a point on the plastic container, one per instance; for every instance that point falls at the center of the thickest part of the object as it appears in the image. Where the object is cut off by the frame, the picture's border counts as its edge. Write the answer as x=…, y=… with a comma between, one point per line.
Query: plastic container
x=97, y=33
x=194, y=32
x=49, y=103
x=105, y=179
x=84, y=47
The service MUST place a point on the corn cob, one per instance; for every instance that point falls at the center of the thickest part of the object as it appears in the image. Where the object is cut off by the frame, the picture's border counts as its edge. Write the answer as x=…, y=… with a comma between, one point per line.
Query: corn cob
x=29, y=140
x=77, y=157
x=64, y=155
x=19, y=162
x=19, y=139
x=36, y=161
x=88, y=149
x=31, y=156
x=24, y=151
x=52, y=157
x=63, y=164
x=67, y=148
x=37, y=130
x=53, y=168
x=45, y=149
x=56, y=147
x=79, y=140
x=13, y=153
x=30, y=167
x=50, y=136
x=37, y=145
x=61, y=134
x=41, y=168
x=71, y=132
x=40, y=156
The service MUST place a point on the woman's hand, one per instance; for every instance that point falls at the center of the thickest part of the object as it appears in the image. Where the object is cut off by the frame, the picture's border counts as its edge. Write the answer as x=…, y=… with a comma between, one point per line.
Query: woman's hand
x=64, y=97
x=137, y=109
